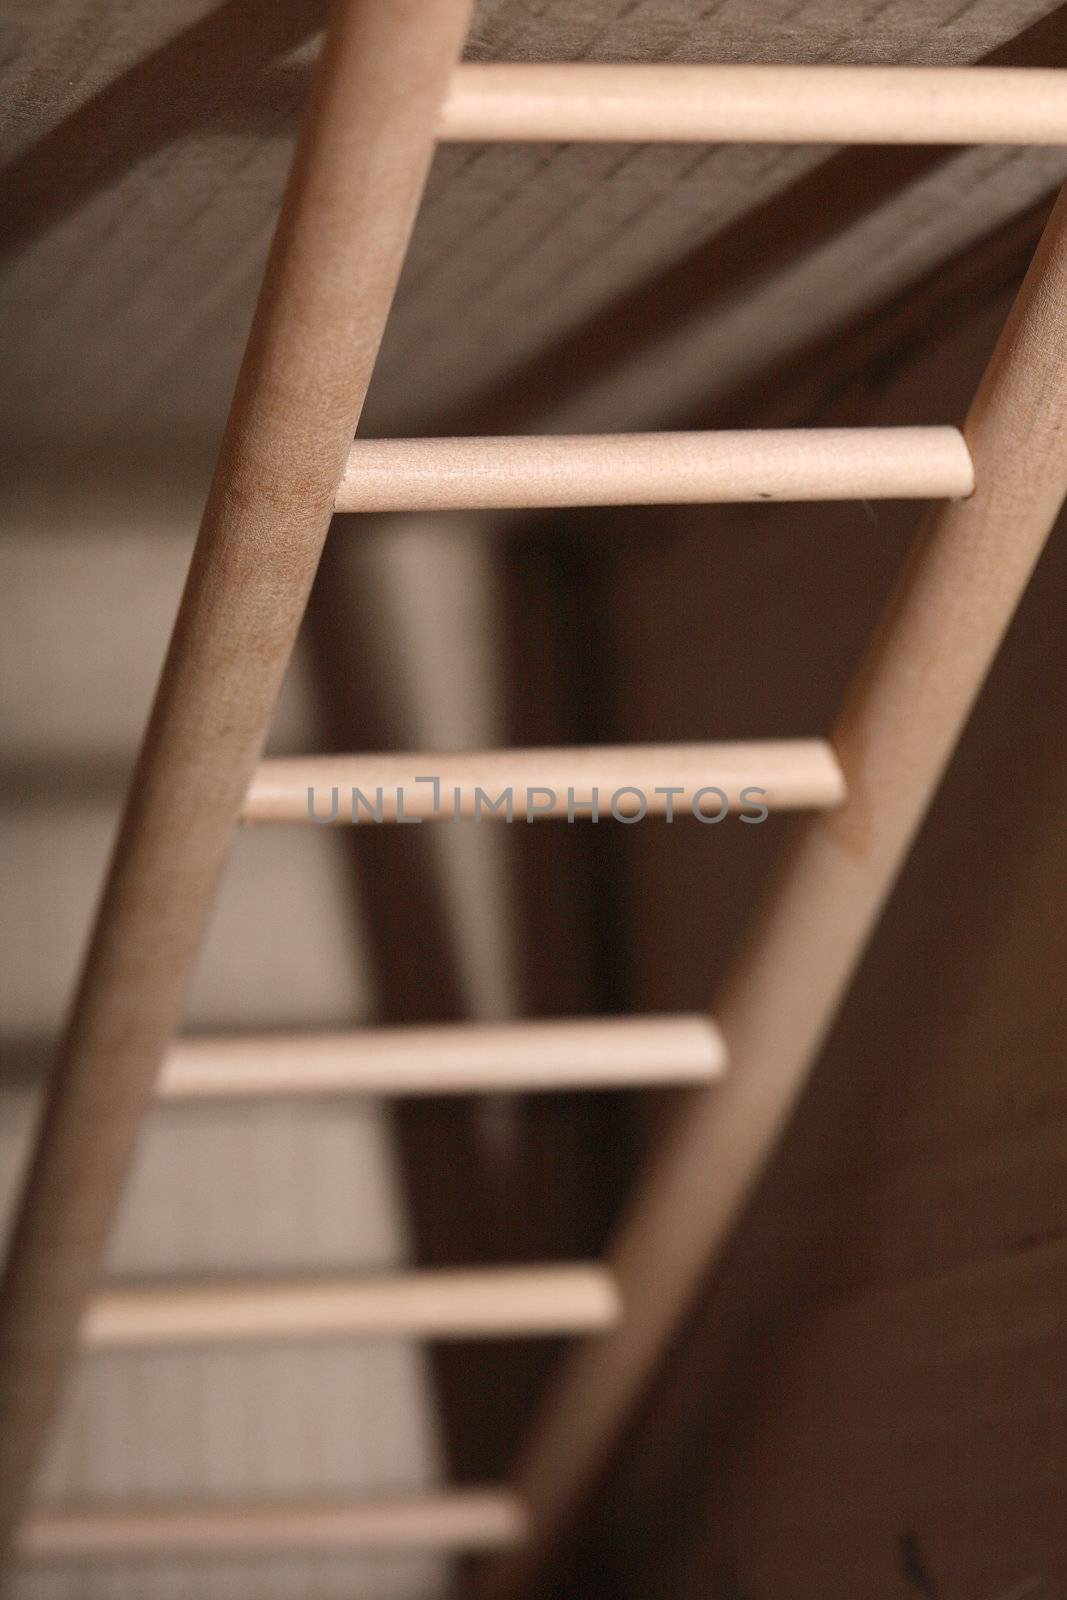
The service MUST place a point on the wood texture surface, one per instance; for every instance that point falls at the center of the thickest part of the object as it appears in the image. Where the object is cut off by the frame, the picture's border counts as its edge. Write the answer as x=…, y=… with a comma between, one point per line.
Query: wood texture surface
x=938, y=1399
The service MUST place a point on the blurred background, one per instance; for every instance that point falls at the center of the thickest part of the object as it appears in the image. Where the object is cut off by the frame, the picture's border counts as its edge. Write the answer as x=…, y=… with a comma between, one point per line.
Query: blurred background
x=868, y=1401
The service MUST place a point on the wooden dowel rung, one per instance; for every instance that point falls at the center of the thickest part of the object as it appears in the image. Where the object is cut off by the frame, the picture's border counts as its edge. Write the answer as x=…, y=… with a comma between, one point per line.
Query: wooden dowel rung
x=656, y=469
x=728, y=104
x=454, y=1519
x=459, y=1058
x=471, y=1303
x=668, y=780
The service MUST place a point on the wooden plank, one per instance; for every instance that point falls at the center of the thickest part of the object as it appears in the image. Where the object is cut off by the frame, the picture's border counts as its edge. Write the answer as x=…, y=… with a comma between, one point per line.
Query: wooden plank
x=655, y=469
x=478, y=1303
x=356, y=180
x=921, y=1423
x=911, y=697
x=623, y=781
x=642, y=103
x=452, y=1519
x=458, y=1058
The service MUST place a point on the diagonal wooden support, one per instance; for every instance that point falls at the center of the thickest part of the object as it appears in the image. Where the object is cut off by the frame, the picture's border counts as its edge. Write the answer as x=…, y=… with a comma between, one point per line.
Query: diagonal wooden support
x=355, y=185
x=911, y=698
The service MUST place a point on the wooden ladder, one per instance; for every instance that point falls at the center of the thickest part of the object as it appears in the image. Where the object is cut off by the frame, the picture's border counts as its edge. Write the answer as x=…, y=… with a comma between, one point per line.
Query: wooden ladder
x=386, y=89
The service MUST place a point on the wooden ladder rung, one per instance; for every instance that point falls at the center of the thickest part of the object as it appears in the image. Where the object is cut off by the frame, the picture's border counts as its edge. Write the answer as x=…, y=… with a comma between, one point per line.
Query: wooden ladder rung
x=722, y=104
x=469, y=1303
x=668, y=779
x=452, y=1058
x=453, y=1519
x=656, y=469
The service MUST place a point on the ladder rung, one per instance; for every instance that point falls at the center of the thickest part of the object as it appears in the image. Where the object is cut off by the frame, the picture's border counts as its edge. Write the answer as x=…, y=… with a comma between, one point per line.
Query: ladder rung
x=791, y=774
x=656, y=469
x=455, y=1519
x=471, y=1303
x=456, y=1058
x=726, y=103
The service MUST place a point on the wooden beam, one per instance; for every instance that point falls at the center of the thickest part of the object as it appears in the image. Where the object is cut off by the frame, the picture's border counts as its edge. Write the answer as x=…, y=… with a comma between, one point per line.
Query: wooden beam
x=451, y=1519
x=452, y=1058
x=669, y=780
x=655, y=469
x=440, y=1303
x=910, y=700
x=355, y=185
x=641, y=103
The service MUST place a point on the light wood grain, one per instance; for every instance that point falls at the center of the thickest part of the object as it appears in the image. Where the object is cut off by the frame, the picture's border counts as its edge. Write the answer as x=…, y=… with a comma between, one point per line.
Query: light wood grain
x=782, y=773
x=639, y=102
x=515, y=1057
x=656, y=469
x=943, y=1395
x=479, y=1303
x=911, y=698
x=357, y=177
x=452, y=1519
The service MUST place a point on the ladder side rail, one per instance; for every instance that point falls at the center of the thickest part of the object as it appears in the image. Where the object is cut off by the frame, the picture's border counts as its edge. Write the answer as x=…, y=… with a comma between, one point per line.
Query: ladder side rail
x=356, y=181
x=898, y=728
